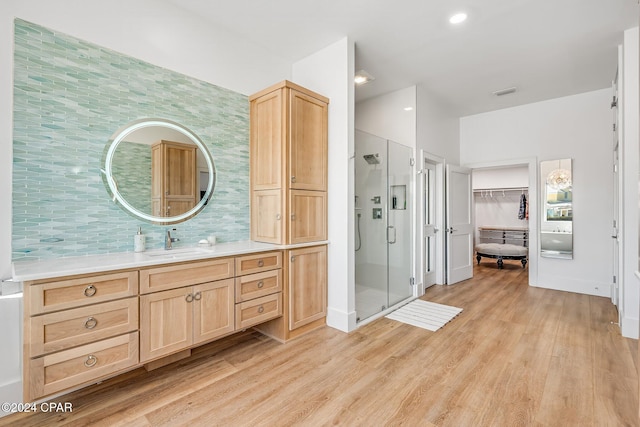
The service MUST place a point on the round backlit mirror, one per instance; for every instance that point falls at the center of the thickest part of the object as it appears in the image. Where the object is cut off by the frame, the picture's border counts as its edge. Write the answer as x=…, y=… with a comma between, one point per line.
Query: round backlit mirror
x=158, y=171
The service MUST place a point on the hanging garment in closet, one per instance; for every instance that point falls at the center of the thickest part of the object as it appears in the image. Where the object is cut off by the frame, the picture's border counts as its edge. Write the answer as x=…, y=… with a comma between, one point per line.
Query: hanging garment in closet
x=522, y=212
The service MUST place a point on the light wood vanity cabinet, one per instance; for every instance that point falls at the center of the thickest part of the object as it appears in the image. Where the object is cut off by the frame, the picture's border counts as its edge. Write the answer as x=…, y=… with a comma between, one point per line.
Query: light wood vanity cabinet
x=304, y=293
x=187, y=304
x=177, y=319
x=82, y=329
x=288, y=165
x=78, y=329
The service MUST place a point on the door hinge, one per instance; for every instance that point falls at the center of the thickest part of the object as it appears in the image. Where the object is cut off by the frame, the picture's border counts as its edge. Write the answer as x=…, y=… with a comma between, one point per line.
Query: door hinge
x=614, y=102
x=412, y=281
x=614, y=127
x=615, y=279
x=412, y=161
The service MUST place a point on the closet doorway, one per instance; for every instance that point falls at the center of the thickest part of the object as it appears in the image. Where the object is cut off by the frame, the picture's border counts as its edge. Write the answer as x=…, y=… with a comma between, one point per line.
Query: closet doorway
x=503, y=209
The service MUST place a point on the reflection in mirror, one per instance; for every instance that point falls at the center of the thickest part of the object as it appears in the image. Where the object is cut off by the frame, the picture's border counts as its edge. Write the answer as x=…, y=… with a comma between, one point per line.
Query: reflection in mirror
x=158, y=171
x=556, y=230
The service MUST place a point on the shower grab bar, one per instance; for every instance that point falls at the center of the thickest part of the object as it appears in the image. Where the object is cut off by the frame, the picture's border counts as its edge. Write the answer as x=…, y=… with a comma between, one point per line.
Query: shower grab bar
x=391, y=227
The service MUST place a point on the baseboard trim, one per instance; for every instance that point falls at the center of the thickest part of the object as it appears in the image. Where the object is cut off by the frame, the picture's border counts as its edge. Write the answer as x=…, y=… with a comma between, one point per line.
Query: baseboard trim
x=341, y=320
x=630, y=327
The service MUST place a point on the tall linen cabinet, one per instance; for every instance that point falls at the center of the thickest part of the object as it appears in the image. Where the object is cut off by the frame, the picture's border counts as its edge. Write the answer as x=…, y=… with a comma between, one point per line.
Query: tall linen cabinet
x=288, y=162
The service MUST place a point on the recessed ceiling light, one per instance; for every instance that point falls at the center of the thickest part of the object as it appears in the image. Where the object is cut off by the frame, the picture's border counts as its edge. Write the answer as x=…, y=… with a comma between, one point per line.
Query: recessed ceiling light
x=362, y=77
x=458, y=18
x=408, y=108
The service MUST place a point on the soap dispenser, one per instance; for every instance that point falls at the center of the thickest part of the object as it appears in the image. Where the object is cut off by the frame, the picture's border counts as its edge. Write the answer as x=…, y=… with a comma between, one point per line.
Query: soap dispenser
x=138, y=241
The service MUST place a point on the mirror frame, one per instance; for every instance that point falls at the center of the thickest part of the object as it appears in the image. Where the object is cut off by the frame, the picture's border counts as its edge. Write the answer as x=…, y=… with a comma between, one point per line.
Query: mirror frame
x=112, y=186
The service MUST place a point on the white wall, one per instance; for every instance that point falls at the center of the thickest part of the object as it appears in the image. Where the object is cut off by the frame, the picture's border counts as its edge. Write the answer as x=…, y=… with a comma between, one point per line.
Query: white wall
x=385, y=116
x=151, y=30
x=438, y=131
x=577, y=127
x=629, y=169
x=330, y=72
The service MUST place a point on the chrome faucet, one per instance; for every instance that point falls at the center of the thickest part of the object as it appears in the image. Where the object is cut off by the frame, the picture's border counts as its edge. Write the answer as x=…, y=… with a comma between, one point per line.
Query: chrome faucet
x=168, y=240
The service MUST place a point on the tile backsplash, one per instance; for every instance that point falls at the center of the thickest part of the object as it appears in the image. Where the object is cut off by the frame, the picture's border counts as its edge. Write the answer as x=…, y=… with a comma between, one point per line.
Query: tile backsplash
x=70, y=97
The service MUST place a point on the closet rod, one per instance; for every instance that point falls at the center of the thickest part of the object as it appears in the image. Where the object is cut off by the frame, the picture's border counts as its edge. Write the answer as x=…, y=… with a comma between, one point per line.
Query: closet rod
x=478, y=190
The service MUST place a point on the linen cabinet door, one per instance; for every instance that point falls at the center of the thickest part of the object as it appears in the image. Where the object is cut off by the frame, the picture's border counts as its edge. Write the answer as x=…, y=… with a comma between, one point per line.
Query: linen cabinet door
x=308, y=142
x=166, y=322
x=267, y=141
x=214, y=310
x=308, y=216
x=266, y=216
x=307, y=285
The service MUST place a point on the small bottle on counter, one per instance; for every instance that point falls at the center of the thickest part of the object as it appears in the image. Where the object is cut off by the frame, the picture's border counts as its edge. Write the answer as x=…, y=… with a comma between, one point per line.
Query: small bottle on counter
x=138, y=241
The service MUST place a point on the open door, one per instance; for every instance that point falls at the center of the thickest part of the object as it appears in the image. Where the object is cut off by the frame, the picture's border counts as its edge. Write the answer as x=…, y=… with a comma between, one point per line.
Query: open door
x=459, y=227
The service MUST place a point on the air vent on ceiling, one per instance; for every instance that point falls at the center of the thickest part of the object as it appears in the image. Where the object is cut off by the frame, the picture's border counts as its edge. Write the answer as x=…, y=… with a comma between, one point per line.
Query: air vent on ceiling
x=506, y=91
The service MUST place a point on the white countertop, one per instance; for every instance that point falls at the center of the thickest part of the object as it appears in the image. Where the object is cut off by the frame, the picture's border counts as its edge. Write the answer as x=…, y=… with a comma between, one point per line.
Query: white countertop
x=59, y=267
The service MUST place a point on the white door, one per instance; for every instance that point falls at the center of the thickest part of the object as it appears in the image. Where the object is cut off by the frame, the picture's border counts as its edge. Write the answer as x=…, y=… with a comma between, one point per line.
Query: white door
x=615, y=288
x=429, y=223
x=459, y=225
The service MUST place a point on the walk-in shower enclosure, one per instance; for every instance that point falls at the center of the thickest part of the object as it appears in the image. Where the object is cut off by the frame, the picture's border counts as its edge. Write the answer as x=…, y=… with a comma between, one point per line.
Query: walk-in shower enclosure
x=383, y=216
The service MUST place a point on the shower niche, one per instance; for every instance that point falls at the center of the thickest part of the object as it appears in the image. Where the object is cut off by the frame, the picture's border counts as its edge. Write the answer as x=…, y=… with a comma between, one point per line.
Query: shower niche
x=383, y=251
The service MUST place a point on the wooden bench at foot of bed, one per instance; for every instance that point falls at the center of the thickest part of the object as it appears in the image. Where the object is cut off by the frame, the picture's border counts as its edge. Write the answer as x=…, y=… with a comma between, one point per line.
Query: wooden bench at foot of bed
x=502, y=251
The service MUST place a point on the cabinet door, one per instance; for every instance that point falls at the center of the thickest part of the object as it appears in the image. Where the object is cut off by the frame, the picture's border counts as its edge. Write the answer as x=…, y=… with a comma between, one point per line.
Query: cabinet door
x=267, y=141
x=307, y=285
x=213, y=305
x=308, y=216
x=266, y=216
x=308, y=142
x=179, y=170
x=166, y=323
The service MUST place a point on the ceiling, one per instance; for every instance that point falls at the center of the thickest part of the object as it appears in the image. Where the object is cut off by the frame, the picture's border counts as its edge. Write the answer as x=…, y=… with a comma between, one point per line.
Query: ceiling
x=545, y=48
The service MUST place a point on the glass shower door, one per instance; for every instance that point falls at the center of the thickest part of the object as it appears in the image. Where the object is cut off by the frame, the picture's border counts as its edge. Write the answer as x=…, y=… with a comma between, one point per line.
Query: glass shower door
x=383, y=241
x=399, y=243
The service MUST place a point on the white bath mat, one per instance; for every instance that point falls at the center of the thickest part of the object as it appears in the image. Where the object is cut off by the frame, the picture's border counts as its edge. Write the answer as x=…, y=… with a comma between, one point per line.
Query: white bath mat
x=425, y=314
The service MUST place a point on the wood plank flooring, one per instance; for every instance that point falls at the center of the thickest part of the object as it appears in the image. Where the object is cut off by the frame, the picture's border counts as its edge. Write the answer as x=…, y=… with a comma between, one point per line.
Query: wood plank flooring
x=516, y=356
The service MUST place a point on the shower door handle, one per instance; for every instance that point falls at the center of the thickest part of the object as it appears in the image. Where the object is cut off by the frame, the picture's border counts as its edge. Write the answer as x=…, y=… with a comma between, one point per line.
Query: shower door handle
x=391, y=228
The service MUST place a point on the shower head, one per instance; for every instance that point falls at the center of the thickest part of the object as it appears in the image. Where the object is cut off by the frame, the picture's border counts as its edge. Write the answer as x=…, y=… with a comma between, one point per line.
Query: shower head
x=372, y=159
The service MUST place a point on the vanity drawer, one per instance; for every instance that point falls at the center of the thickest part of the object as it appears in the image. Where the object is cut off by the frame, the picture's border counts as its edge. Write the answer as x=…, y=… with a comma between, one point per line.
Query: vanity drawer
x=257, y=285
x=187, y=274
x=258, y=310
x=69, y=368
x=256, y=263
x=70, y=328
x=76, y=292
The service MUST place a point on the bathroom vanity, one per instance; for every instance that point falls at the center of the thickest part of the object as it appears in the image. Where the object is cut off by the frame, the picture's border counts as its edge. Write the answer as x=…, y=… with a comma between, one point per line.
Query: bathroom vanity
x=90, y=318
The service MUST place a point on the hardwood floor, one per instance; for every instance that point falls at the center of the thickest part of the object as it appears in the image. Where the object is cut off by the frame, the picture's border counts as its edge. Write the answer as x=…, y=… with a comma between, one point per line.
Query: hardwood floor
x=516, y=356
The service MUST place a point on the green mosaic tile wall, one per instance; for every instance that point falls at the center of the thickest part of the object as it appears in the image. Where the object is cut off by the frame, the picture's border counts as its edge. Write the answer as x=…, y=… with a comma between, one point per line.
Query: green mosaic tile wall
x=70, y=96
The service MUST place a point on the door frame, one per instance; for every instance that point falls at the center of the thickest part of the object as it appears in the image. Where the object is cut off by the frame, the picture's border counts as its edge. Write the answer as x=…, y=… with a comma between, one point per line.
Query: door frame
x=532, y=163
x=439, y=163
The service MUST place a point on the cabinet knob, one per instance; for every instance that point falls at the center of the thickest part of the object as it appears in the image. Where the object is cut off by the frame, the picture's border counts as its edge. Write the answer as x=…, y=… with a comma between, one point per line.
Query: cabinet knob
x=293, y=217
x=91, y=323
x=260, y=263
x=189, y=298
x=91, y=361
x=293, y=179
x=278, y=217
x=293, y=258
x=260, y=309
x=197, y=296
x=90, y=291
x=260, y=284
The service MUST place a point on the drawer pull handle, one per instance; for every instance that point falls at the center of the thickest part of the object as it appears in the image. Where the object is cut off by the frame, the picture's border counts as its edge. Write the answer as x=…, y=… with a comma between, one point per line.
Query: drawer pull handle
x=197, y=296
x=91, y=323
x=91, y=361
x=90, y=291
x=189, y=297
x=260, y=263
x=260, y=284
x=260, y=309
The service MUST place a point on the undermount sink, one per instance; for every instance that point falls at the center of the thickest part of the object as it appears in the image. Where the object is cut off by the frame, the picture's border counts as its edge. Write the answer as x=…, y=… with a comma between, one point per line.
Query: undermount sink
x=175, y=253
